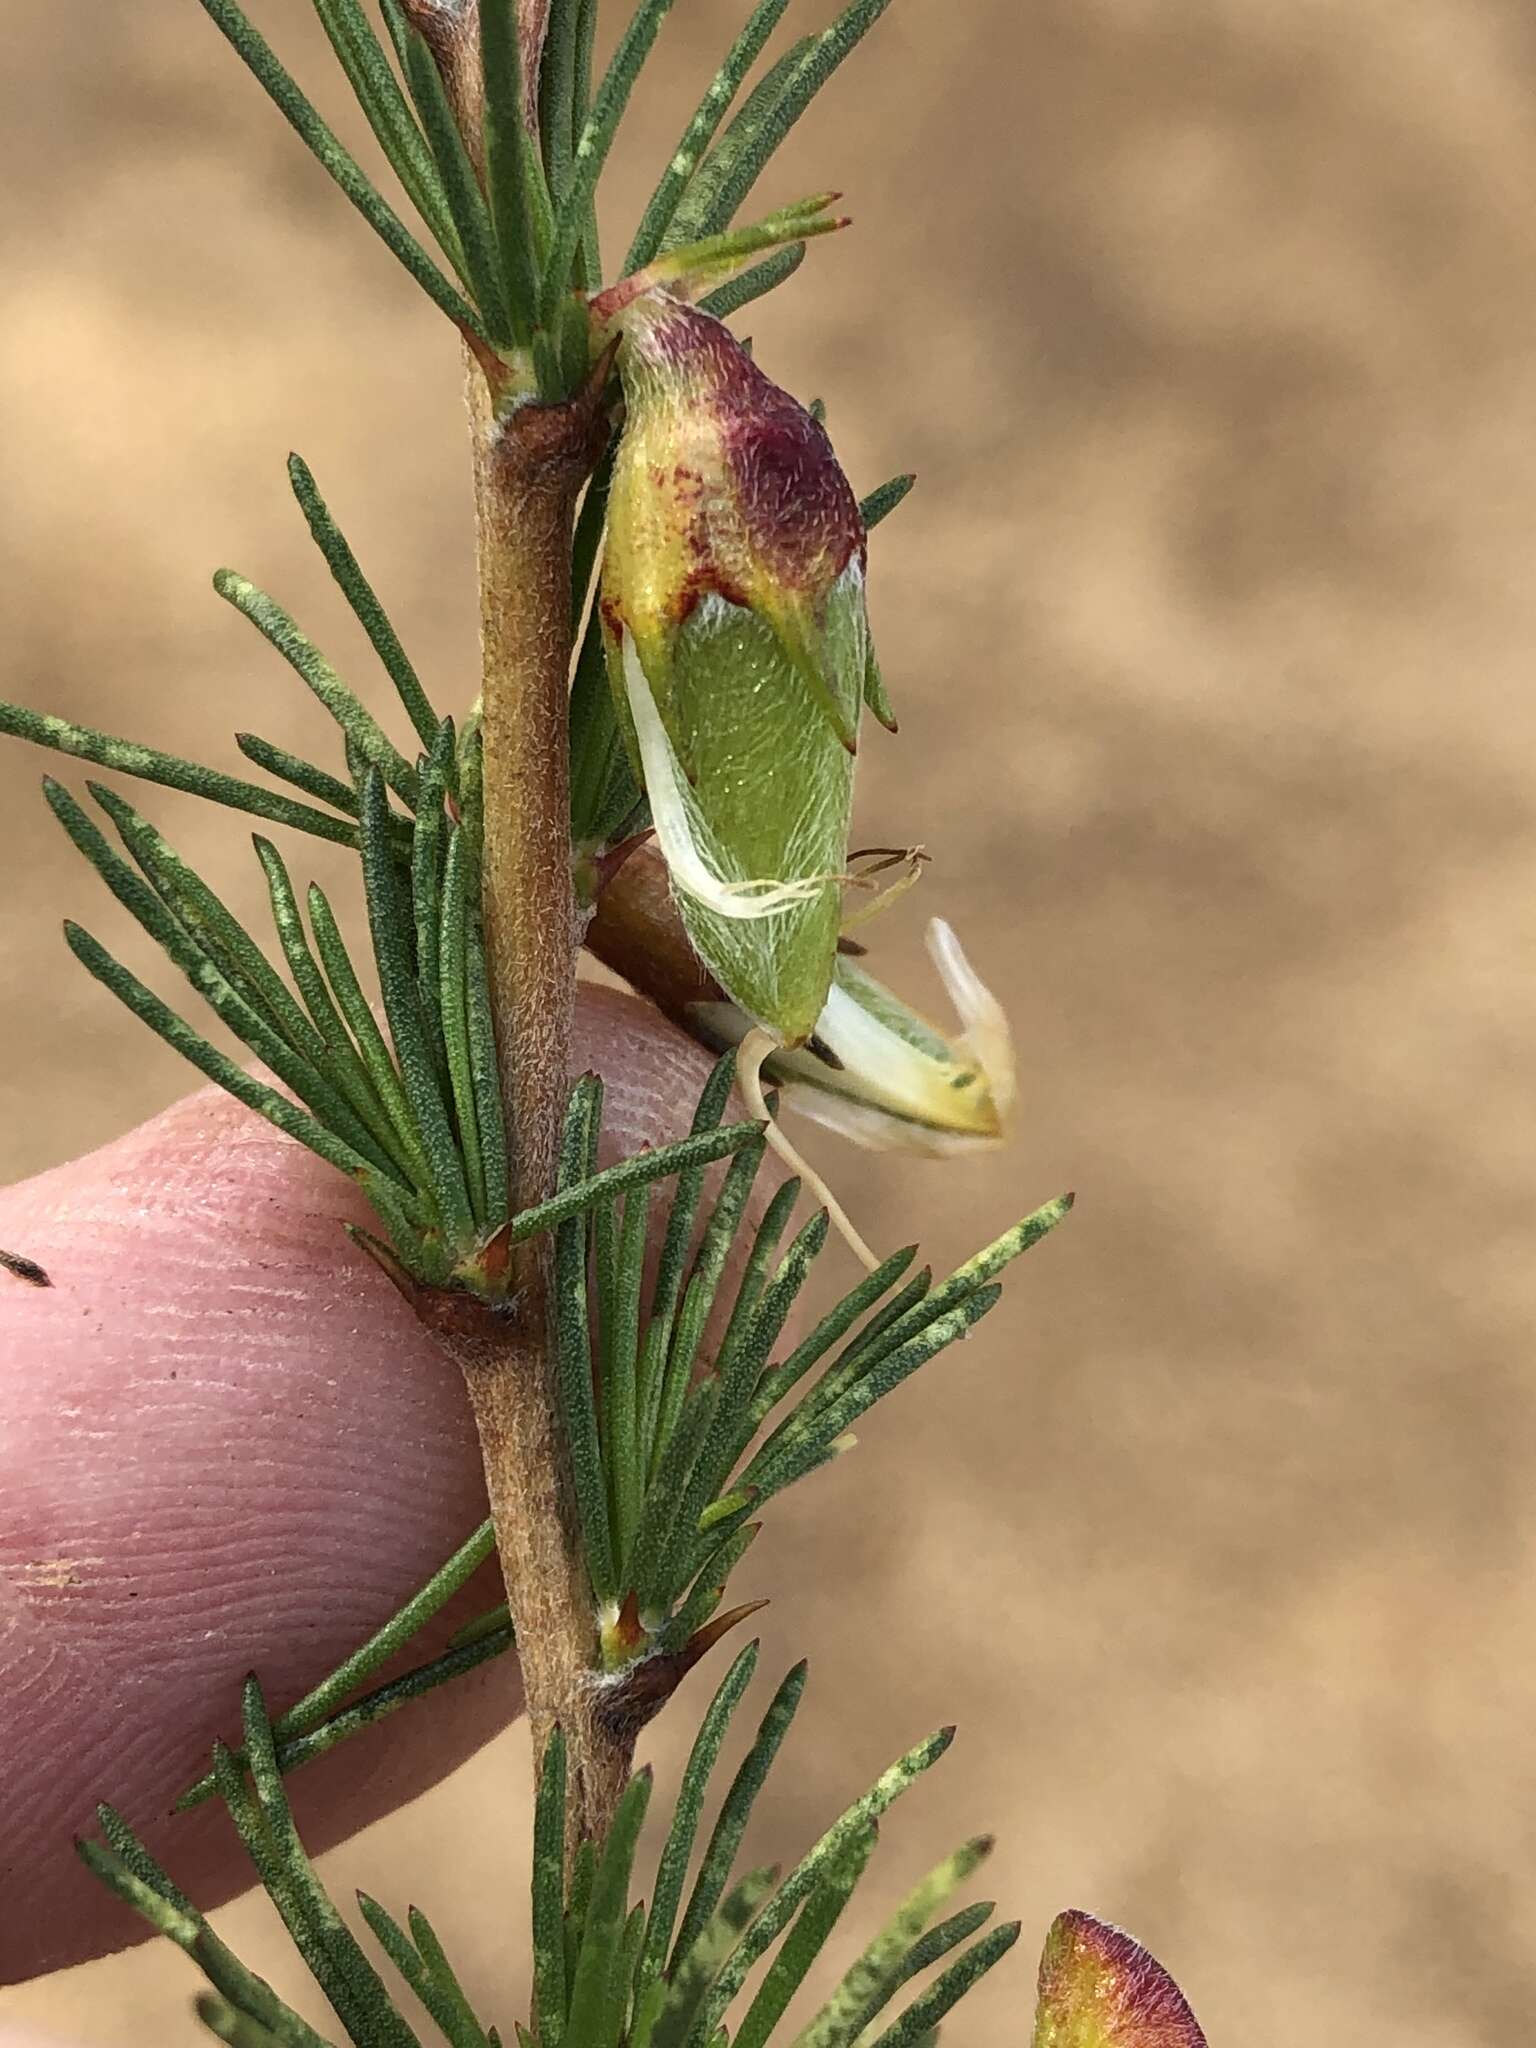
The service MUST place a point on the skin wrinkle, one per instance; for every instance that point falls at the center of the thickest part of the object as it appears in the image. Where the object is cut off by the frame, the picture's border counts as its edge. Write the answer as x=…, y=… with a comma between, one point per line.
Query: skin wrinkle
x=223, y=1462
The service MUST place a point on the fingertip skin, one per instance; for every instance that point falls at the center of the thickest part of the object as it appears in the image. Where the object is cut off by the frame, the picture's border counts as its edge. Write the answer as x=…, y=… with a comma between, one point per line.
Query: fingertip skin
x=226, y=1445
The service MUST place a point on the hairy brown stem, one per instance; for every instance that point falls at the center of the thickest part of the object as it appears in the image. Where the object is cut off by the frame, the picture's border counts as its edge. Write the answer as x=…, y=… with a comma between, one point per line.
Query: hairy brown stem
x=529, y=469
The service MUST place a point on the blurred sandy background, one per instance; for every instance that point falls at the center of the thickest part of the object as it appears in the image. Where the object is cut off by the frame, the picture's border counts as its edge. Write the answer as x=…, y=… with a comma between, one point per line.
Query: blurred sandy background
x=1212, y=628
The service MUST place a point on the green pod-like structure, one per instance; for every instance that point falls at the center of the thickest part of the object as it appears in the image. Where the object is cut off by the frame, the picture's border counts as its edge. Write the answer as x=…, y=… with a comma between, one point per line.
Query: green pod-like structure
x=738, y=646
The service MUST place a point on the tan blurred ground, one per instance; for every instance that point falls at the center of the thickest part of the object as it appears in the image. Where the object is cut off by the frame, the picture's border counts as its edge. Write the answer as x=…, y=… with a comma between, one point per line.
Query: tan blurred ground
x=1209, y=329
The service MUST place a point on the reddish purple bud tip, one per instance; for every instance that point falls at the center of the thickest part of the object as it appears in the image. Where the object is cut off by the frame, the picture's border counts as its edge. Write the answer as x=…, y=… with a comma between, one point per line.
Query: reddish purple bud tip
x=1101, y=1989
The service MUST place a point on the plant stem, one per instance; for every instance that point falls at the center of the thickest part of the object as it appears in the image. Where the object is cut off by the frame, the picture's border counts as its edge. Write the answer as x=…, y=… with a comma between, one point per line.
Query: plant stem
x=529, y=468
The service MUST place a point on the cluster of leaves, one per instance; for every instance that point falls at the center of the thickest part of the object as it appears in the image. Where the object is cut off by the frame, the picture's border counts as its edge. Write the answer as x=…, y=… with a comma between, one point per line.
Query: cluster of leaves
x=515, y=221
x=411, y=1112
x=610, y=1971
x=665, y=1470
x=606, y=1971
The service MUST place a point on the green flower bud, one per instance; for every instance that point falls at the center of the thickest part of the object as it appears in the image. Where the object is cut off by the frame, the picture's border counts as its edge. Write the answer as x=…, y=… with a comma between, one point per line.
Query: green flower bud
x=738, y=648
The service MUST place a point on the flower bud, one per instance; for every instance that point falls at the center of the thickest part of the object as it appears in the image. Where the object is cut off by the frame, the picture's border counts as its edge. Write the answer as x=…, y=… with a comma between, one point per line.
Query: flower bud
x=738, y=649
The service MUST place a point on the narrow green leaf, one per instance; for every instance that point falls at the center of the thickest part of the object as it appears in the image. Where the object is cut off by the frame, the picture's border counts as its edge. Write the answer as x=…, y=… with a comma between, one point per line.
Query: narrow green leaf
x=549, y=1973
x=574, y=1350
x=215, y=988
x=358, y=1012
x=598, y=1988
x=558, y=118
x=704, y=1283
x=506, y=163
x=451, y=2015
x=782, y=1459
x=672, y=1868
x=724, y=185
x=592, y=147
x=869, y=1343
x=258, y=57
x=322, y=1699
x=696, y=214
x=805, y=1941
x=393, y=950
x=125, y=1845
x=976, y=1271
x=306, y=775
x=735, y=1811
x=700, y=1150
x=930, y=1949
x=345, y=1975
x=471, y=217
x=311, y=666
x=700, y=132
x=867, y=1984
x=360, y=595
x=755, y=283
x=147, y=764
x=485, y=1069
x=225, y=965
x=690, y=1983
x=833, y=1326
x=922, y=2016
x=227, y=2023
x=806, y=1875
x=471, y=2034
x=881, y=503
x=453, y=1010
x=182, y=1039
x=620, y=1373
x=655, y=1537
x=428, y=844
x=379, y=95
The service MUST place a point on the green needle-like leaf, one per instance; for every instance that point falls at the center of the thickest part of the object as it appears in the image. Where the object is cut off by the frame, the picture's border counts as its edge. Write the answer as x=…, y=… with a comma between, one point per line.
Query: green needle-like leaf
x=592, y=147
x=359, y=593
x=358, y=1013
x=323, y=1699
x=549, y=1975
x=865, y=1987
x=344, y=1973
x=451, y=2015
x=470, y=2033
x=755, y=283
x=378, y=94
x=574, y=1349
x=393, y=950
x=683, y=1995
x=700, y=132
x=833, y=1326
x=805, y=1941
x=620, y=1371
x=918, y=2023
x=703, y=1285
x=311, y=666
x=736, y=1809
x=148, y=764
x=672, y=1869
x=262, y=62
x=726, y=177
x=453, y=1009
x=807, y=1874
x=687, y=1155
x=598, y=1990
x=306, y=775
x=881, y=503
x=506, y=159
x=471, y=217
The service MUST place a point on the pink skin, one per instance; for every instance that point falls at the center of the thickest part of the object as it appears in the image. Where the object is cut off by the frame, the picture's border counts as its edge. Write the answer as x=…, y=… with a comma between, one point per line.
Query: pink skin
x=226, y=1446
